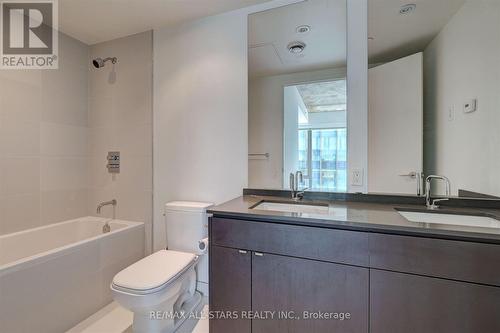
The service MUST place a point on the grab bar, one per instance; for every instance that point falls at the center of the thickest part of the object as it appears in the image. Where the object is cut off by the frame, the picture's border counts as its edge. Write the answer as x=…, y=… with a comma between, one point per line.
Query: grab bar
x=259, y=154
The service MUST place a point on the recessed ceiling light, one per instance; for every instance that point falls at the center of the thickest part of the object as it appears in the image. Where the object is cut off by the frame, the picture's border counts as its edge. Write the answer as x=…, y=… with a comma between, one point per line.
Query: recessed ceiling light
x=303, y=29
x=371, y=38
x=407, y=9
x=296, y=47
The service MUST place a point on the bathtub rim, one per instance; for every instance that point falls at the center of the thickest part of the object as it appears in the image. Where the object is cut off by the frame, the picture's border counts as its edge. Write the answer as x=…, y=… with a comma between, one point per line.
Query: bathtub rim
x=66, y=249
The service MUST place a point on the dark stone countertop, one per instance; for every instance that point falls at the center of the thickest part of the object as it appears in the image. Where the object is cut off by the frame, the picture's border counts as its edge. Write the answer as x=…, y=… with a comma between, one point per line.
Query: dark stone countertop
x=363, y=216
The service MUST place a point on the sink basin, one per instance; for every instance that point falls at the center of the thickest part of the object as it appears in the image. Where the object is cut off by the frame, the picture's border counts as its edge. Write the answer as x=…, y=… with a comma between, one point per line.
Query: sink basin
x=292, y=208
x=451, y=219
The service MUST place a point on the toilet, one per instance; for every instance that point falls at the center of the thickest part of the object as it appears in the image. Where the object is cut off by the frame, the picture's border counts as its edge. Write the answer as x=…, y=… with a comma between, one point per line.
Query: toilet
x=161, y=289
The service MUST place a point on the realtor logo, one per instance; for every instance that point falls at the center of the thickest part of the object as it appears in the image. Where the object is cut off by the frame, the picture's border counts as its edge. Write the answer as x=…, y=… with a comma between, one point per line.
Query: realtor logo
x=29, y=34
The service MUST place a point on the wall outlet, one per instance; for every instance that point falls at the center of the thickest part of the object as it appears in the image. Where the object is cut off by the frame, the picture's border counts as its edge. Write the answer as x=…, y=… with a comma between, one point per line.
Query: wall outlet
x=357, y=177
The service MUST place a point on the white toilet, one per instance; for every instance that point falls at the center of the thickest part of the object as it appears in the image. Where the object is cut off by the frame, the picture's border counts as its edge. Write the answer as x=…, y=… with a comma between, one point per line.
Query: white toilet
x=161, y=289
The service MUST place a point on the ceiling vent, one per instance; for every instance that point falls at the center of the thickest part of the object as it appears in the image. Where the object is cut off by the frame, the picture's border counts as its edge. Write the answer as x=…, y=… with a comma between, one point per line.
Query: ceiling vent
x=296, y=47
x=303, y=29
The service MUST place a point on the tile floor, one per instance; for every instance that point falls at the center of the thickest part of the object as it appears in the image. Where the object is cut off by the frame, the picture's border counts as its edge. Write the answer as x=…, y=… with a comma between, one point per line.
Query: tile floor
x=115, y=319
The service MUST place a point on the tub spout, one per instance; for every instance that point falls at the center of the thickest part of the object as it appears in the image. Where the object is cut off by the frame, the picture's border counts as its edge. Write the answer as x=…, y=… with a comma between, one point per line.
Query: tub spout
x=106, y=228
x=107, y=203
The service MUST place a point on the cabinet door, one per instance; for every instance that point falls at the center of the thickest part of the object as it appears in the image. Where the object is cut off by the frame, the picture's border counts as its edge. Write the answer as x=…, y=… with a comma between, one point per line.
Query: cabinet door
x=410, y=303
x=230, y=289
x=282, y=284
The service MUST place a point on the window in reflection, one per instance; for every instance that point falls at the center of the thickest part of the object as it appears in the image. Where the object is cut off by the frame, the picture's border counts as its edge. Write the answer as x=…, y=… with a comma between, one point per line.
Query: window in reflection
x=316, y=134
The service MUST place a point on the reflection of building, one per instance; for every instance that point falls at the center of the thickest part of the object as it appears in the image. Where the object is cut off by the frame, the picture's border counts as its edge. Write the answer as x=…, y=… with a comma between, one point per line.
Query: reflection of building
x=322, y=134
x=325, y=168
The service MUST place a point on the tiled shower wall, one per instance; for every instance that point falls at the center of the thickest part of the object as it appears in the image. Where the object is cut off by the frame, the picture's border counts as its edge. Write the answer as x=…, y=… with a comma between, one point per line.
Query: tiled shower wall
x=120, y=119
x=43, y=141
x=56, y=127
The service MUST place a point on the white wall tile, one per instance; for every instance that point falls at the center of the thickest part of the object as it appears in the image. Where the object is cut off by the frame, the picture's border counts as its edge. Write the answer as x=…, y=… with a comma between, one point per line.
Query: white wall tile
x=19, y=138
x=19, y=176
x=19, y=212
x=63, y=173
x=20, y=99
x=63, y=140
x=43, y=141
x=63, y=205
x=120, y=115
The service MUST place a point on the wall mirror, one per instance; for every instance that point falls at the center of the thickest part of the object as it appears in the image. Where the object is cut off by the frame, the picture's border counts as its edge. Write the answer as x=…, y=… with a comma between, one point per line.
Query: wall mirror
x=433, y=97
x=434, y=102
x=298, y=96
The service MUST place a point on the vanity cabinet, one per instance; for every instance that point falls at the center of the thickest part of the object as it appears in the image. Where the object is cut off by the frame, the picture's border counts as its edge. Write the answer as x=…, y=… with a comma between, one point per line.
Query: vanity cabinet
x=410, y=303
x=301, y=287
x=387, y=283
x=230, y=289
x=249, y=270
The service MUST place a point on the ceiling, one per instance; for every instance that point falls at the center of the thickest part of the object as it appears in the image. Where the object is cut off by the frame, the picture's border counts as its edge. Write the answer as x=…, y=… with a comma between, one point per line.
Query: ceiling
x=394, y=35
x=94, y=21
x=397, y=35
x=324, y=96
x=270, y=32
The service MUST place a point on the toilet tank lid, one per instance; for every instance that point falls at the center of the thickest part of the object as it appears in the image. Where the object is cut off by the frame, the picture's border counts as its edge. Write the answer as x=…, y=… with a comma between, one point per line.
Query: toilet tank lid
x=188, y=206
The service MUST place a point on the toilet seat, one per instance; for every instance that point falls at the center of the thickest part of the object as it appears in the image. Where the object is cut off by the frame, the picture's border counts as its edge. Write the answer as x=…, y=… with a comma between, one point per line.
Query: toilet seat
x=153, y=273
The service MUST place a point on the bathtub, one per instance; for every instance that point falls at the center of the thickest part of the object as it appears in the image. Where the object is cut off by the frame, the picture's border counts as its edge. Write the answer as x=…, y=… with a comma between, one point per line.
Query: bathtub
x=53, y=277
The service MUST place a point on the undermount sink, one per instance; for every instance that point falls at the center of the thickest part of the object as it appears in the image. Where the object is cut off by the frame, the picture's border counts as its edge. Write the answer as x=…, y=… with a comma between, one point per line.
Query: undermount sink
x=451, y=219
x=292, y=208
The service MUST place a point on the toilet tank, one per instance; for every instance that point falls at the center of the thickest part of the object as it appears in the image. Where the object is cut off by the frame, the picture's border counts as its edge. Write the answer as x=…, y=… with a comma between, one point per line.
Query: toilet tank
x=186, y=224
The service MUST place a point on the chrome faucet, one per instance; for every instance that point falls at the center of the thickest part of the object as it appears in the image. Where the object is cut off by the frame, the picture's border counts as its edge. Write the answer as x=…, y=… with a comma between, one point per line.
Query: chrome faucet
x=429, y=202
x=106, y=228
x=295, y=179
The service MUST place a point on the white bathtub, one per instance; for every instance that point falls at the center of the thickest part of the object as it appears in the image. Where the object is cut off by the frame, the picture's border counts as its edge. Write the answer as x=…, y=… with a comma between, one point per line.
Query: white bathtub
x=53, y=277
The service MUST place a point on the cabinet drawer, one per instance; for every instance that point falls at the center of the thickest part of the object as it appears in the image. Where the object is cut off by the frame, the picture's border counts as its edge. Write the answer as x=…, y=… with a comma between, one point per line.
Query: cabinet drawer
x=340, y=246
x=473, y=262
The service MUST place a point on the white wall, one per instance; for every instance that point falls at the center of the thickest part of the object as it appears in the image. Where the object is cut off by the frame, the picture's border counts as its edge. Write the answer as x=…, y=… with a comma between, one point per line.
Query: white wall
x=462, y=63
x=357, y=91
x=292, y=102
x=265, y=123
x=395, y=120
x=120, y=119
x=200, y=113
x=330, y=119
x=43, y=141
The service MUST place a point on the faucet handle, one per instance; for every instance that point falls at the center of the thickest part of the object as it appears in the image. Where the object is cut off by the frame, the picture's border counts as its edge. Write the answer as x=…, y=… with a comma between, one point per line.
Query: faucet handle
x=434, y=202
x=292, y=181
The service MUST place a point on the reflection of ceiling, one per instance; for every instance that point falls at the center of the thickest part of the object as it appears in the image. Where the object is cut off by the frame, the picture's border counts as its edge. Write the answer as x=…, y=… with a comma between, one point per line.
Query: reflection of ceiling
x=270, y=32
x=94, y=21
x=397, y=35
x=324, y=96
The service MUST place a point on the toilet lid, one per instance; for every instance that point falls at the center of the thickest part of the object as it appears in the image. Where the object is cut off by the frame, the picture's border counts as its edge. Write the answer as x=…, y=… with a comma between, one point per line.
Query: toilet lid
x=154, y=271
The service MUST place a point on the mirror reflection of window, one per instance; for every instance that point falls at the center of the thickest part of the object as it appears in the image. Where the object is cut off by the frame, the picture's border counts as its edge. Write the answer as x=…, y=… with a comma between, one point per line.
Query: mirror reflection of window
x=319, y=135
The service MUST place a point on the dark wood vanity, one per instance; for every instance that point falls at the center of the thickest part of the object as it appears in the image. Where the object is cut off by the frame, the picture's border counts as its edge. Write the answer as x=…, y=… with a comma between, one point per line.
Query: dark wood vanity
x=385, y=282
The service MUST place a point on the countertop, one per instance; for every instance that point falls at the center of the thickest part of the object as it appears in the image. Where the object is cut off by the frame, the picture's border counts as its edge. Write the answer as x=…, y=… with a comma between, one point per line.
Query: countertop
x=362, y=216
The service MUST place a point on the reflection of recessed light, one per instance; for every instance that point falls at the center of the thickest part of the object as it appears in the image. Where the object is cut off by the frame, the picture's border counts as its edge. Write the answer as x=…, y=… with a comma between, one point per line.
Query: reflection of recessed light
x=407, y=9
x=296, y=47
x=303, y=29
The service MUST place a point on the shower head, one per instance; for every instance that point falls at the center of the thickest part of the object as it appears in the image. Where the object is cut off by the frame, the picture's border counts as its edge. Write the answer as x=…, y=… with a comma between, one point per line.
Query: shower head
x=99, y=62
